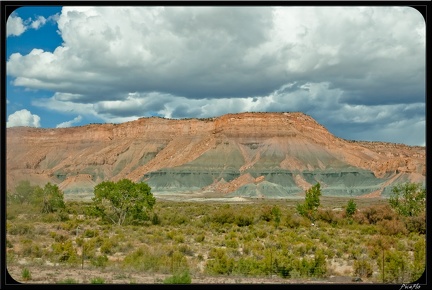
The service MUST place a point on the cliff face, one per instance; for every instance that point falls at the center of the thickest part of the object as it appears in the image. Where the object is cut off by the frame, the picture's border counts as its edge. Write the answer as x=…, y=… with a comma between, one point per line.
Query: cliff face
x=253, y=154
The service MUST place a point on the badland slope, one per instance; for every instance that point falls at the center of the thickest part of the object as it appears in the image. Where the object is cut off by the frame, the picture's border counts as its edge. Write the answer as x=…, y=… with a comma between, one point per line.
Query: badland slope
x=246, y=154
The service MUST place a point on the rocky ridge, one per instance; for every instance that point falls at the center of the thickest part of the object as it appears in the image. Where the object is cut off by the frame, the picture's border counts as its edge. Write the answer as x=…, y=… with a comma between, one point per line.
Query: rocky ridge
x=246, y=154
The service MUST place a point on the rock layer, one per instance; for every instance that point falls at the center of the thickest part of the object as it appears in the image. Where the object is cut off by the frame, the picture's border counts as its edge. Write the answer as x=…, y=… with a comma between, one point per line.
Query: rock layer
x=252, y=154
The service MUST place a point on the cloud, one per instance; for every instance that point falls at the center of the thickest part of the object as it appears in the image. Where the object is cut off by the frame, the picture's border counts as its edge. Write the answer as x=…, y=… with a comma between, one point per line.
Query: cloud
x=353, y=66
x=192, y=53
x=70, y=123
x=39, y=22
x=23, y=118
x=15, y=26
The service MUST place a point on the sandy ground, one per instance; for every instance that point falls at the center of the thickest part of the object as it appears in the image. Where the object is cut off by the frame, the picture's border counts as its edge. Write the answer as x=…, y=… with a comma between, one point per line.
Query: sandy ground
x=54, y=275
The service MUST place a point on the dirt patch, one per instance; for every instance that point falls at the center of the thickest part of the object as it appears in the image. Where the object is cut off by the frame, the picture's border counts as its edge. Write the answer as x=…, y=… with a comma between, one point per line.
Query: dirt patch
x=53, y=275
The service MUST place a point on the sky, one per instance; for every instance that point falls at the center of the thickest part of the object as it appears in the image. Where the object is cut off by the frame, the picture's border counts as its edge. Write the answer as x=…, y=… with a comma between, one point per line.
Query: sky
x=358, y=71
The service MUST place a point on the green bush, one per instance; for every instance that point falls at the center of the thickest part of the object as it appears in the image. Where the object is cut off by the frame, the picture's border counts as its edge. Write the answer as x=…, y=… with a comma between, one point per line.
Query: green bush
x=88, y=233
x=97, y=280
x=68, y=281
x=200, y=238
x=243, y=220
x=363, y=268
x=294, y=221
x=319, y=265
x=65, y=252
x=99, y=261
x=224, y=216
x=219, y=262
x=250, y=266
x=25, y=274
x=179, y=278
x=109, y=246
x=21, y=229
x=396, y=267
x=419, y=261
x=30, y=249
x=416, y=224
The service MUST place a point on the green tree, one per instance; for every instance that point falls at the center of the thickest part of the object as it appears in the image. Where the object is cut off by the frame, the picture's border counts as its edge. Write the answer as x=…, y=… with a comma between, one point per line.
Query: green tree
x=123, y=201
x=276, y=213
x=312, y=202
x=408, y=199
x=350, y=208
x=52, y=197
x=23, y=192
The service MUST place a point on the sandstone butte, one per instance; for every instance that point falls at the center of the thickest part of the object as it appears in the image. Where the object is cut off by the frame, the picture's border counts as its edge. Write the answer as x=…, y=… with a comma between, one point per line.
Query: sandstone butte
x=245, y=154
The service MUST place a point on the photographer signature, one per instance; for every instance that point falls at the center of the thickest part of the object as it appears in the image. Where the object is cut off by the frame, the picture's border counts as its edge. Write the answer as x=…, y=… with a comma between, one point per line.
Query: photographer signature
x=410, y=286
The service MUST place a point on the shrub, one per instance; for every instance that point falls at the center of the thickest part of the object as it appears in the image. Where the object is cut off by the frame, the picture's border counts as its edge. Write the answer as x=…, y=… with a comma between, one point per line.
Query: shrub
x=65, y=252
x=199, y=238
x=224, y=216
x=266, y=214
x=295, y=221
x=25, y=274
x=396, y=267
x=59, y=238
x=109, y=246
x=378, y=213
x=360, y=218
x=31, y=250
x=416, y=224
x=155, y=219
x=88, y=233
x=219, y=262
x=154, y=259
x=392, y=227
x=250, y=266
x=100, y=261
x=68, y=281
x=243, y=220
x=97, y=280
x=179, y=278
x=186, y=250
x=319, y=265
x=21, y=229
x=419, y=262
x=328, y=216
x=363, y=268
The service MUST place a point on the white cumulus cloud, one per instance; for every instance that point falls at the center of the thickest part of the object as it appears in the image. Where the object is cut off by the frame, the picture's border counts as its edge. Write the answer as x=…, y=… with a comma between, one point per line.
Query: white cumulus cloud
x=39, y=22
x=69, y=123
x=23, y=118
x=15, y=26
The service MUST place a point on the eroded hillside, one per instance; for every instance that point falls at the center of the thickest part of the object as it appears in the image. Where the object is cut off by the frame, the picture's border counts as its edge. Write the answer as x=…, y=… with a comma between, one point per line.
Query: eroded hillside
x=248, y=154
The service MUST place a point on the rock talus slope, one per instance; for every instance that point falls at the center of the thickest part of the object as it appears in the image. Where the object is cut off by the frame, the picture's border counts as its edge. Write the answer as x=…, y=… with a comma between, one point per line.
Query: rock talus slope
x=247, y=154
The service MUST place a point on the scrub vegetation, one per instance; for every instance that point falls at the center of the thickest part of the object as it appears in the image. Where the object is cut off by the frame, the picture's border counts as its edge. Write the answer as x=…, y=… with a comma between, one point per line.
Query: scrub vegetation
x=49, y=240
